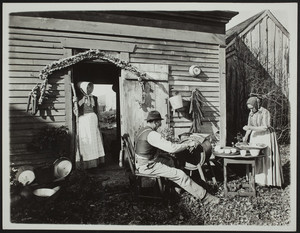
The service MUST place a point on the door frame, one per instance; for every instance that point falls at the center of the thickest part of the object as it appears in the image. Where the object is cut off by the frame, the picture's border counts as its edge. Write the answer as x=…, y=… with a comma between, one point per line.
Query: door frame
x=70, y=118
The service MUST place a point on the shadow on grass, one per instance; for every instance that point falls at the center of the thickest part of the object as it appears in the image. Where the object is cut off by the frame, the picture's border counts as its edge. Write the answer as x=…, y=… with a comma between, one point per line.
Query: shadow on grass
x=286, y=174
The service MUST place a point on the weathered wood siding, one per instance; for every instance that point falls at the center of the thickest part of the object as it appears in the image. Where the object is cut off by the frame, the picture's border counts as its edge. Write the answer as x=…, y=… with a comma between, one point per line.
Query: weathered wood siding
x=29, y=52
x=134, y=110
x=34, y=43
x=180, y=56
x=258, y=54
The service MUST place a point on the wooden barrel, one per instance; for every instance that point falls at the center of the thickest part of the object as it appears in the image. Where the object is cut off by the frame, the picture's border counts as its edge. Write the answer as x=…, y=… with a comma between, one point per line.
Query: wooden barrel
x=207, y=148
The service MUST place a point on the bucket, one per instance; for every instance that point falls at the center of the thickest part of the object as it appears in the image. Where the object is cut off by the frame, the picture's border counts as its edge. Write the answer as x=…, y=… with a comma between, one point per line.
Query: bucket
x=176, y=101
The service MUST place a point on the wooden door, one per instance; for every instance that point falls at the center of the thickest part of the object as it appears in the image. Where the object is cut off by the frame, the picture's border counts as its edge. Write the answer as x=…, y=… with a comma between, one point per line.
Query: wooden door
x=133, y=110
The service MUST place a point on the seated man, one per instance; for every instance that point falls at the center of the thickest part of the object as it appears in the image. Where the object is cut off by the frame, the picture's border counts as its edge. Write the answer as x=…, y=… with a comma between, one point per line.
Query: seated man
x=148, y=141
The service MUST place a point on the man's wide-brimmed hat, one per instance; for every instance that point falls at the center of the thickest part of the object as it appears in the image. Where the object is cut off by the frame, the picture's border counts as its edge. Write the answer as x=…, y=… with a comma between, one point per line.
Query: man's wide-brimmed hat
x=154, y=115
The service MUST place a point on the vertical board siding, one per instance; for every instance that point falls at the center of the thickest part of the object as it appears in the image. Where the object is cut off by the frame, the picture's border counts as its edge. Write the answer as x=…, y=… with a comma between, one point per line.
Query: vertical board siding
x=264, y=43
x=285, y=62
x=30, y=50
x=255, y=41
x=269, y=45
x=278, y=56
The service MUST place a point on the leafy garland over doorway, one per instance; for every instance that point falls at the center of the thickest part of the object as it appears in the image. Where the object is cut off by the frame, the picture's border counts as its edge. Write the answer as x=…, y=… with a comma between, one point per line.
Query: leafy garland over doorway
x=87, y=55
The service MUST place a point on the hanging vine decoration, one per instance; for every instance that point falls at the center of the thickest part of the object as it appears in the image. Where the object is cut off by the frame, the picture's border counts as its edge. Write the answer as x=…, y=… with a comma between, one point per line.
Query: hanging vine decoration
x=87, y=55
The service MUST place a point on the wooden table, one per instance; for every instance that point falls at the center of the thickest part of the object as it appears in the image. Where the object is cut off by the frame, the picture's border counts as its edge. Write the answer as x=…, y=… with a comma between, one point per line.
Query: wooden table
x=248, y=160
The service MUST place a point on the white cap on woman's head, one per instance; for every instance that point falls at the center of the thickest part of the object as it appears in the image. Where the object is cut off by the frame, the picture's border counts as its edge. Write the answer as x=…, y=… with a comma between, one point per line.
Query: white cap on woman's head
x=83, y=86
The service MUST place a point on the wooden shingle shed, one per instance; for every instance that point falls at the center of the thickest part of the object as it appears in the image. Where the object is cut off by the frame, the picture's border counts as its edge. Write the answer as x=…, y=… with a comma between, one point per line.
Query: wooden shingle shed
x=164, y=45
x=257, y=61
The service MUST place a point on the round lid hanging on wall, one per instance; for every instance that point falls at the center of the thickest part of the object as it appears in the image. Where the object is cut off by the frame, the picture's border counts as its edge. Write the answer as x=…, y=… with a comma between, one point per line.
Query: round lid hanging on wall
x=194, y=70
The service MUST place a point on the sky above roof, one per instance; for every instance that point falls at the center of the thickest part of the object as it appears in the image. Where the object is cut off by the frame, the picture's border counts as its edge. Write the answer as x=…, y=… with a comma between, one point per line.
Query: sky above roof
x=282, y=12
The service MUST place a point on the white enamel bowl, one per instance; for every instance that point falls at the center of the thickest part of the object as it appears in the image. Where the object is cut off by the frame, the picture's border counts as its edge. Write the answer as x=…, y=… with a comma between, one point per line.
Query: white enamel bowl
x=45, y=192
x=254, y=152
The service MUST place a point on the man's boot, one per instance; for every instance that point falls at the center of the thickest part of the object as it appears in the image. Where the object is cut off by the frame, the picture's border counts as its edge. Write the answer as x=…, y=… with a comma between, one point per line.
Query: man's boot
x=210, y=199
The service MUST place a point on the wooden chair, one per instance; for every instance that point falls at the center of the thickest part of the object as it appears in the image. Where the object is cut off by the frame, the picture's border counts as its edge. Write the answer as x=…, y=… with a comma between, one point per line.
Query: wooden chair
x=136, y=177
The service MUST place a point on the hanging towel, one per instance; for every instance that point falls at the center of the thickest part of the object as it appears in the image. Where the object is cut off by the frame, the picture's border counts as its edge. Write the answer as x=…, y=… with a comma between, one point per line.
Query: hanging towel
x=196, y=111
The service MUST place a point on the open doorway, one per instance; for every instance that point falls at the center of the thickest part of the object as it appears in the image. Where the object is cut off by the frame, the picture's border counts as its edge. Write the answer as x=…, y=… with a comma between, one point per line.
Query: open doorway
x=105, y=77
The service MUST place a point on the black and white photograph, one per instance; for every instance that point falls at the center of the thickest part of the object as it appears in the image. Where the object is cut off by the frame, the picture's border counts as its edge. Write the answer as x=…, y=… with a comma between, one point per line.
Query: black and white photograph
x=149, y=116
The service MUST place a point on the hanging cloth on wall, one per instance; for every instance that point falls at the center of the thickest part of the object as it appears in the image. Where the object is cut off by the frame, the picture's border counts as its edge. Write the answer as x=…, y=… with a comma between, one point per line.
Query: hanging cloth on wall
x=196, y=111
x=32, y=100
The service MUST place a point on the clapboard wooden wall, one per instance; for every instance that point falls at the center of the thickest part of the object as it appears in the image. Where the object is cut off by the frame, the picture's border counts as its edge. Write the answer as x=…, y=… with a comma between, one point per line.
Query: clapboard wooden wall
x=179, y=56
x=36, y=42
x=257, y=51
x=29, y=52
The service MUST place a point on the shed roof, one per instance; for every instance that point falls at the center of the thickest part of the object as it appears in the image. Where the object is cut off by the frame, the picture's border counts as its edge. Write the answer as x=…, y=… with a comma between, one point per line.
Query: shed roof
x=248, y=24
x=212, y=16
x=206, y=20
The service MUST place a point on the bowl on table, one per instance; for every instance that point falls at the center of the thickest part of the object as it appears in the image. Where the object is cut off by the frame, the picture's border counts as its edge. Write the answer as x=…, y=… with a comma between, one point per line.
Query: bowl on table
x=226, y=150
x=254, y=152
x=233, y=150
x=250, y=146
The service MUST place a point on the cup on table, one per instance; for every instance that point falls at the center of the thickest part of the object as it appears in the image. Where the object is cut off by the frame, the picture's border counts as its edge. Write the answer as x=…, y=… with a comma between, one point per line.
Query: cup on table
x=220, y=151
x=233, y=150
x=227, y=150
x=243, y=152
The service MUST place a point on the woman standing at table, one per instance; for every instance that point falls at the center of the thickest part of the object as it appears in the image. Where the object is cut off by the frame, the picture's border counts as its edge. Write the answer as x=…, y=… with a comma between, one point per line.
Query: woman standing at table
x=90, y=141
x=268, y=169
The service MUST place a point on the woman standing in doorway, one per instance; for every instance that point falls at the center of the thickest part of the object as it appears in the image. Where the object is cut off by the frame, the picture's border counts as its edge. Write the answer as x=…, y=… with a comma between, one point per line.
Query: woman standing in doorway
x=268, y=169
x=90, y=140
